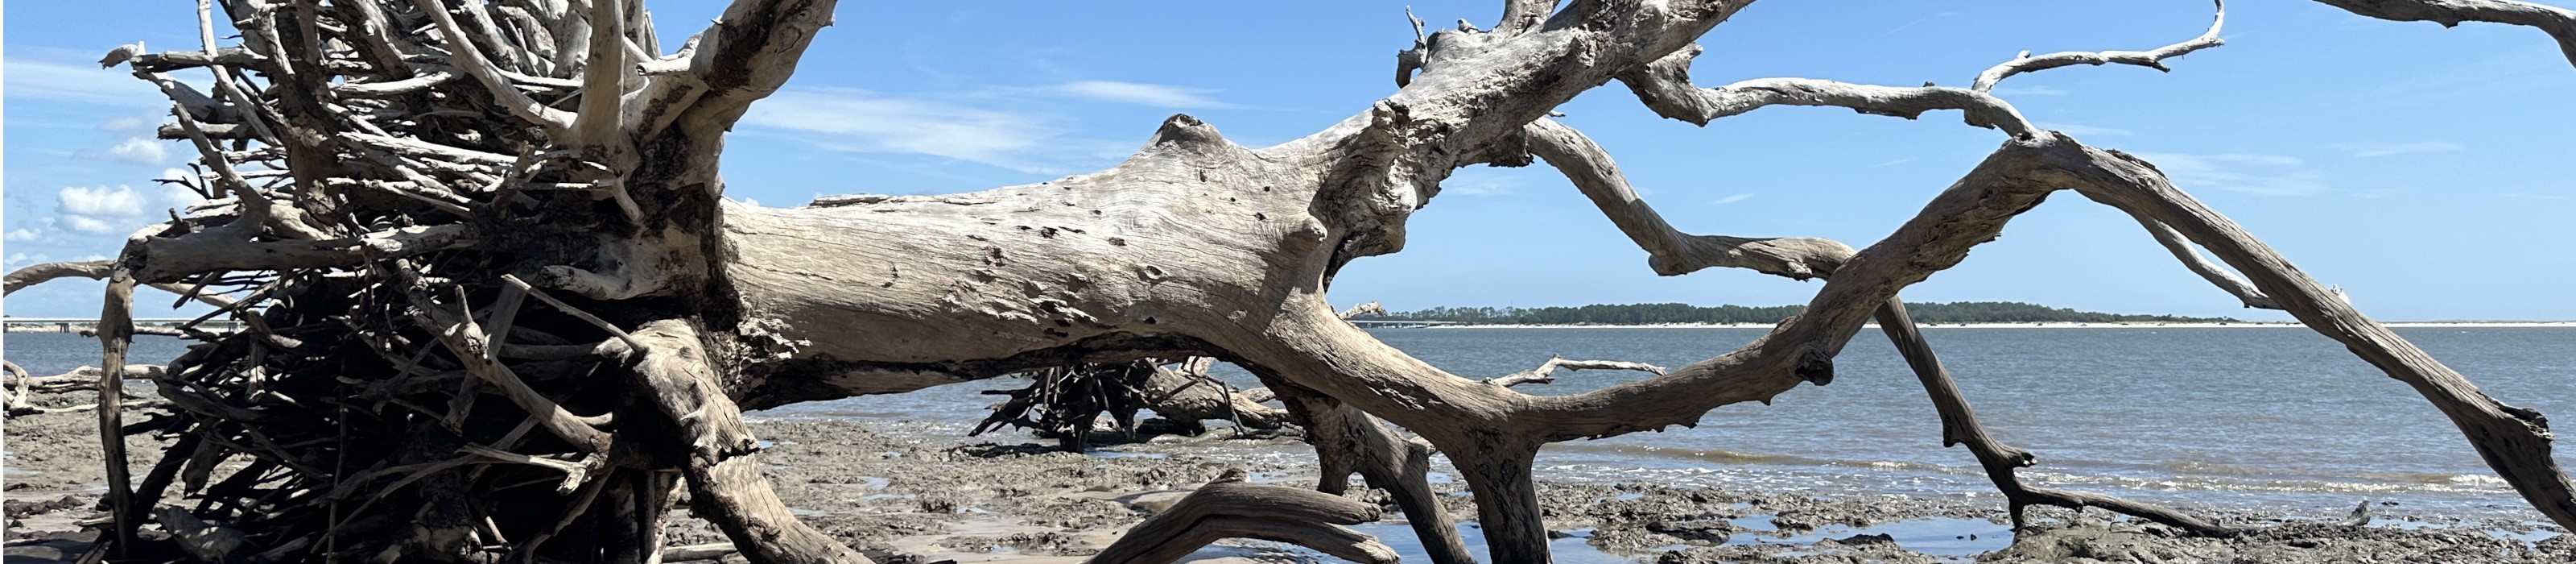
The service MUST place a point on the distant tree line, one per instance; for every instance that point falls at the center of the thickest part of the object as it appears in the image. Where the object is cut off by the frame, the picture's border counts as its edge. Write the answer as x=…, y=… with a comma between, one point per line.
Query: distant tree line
x=1645, y=314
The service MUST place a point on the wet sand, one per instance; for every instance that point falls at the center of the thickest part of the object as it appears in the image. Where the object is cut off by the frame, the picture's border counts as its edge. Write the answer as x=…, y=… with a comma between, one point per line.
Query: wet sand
x=907, y=497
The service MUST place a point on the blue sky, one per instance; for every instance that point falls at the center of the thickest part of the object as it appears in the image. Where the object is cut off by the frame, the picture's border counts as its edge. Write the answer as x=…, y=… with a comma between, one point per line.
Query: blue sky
x=2425, y=170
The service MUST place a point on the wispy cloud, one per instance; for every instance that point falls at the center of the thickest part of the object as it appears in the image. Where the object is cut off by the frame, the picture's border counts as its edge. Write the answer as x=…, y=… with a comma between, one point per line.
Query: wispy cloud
x=2030, y=91
x=2081, y=129
x=1893, y=162
x=2386, y=149
x=139, y=150
x=1475, y=182
x=1156, y=95
x=866, y=122
x=79, y=82
x=1731, y=199
x=2268, y=175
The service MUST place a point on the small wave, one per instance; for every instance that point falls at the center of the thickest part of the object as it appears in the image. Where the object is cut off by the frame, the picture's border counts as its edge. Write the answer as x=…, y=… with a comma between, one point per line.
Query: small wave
x=2478, y=479
x=2449, y=483
x=1708, y=455
x=1727, y=457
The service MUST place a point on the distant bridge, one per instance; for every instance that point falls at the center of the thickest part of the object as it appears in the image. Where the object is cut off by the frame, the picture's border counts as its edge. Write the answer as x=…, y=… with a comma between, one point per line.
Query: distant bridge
x=1366, y=323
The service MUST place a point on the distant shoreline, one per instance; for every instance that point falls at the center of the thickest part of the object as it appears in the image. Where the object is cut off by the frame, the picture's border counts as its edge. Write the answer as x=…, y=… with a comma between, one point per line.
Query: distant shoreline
x=2037, y=325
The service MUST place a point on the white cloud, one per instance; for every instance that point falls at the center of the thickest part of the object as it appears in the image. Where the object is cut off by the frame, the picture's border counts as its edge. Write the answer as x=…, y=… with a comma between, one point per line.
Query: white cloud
x=1896, y=162
x=79, y=82
x=127, y=124
x=2081, y=129
x=859, y=121
x=86, y=224
x=1488, y=183
x=1731, y=199
x=2268, y=175
x=139, y=150
x=2386, y=149
x=2029, y=91
x=24, y=234
x=100, y=210
x=79, y=200
x=1157, y=95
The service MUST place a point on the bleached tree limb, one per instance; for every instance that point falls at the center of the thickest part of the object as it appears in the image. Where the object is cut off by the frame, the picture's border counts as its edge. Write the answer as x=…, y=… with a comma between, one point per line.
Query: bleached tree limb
x=19, y=387
x=2189, y=254
x=1229, y=507
x=158, y=258
x=1347, y=440
x=466, y=339
x=2154, y=59
x=1546, y=371
x=748, y=54
x=1520, y=16
x=2559, y=23
x=466, y=57
x=1370, y=309
x=1959, y=425
x=1665, y=87
x=603, y=77
x=2514, y=441
x=115, y=335
x=40, y=273
x=1671, y=252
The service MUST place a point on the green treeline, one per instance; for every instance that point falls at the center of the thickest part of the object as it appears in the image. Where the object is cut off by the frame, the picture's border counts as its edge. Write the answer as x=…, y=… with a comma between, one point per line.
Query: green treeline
x=1646, y=314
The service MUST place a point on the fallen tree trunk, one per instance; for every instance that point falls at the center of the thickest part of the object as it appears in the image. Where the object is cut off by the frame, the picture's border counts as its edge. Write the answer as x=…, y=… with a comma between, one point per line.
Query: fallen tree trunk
x=422, y=204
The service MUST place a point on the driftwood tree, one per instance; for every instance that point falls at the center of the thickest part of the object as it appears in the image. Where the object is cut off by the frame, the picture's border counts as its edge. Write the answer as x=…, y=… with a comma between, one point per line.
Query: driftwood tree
x=416, y=204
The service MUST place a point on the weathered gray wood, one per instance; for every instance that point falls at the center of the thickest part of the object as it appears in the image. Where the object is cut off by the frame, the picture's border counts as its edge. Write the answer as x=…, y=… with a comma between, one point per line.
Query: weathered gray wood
x=1229, y=507
x=418, y=214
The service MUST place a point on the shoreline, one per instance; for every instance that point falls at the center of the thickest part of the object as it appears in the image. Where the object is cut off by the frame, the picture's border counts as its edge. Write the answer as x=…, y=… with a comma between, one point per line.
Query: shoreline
x=2033, y=325
x=912, y=492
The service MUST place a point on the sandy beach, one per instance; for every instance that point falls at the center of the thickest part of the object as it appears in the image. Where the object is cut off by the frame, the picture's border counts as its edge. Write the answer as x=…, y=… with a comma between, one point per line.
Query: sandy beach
x=904, y=497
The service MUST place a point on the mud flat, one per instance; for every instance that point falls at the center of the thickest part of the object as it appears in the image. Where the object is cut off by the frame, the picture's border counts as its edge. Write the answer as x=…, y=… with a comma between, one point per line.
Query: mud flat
x=907, y=495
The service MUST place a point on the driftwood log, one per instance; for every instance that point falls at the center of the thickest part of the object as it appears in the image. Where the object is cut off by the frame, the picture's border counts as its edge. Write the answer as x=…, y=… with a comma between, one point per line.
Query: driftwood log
x=495, y=306
x=1230, y=507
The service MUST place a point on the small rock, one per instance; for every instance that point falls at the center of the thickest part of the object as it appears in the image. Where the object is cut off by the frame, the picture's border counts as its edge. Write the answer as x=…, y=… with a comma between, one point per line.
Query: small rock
x=1880, y=538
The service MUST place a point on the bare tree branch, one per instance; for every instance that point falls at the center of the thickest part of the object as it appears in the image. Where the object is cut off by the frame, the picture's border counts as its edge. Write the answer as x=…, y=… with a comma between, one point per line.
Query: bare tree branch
x=2151, y=59
x=1665, y=88
x=465, y=56
x=2558, y=22
x=1229, y=507
x=1959, y=425
x=1546, y=371
x=44, y=272
x=1669, y=251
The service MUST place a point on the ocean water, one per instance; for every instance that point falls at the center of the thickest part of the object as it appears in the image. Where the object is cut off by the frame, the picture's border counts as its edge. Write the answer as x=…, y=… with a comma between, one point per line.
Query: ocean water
x=2256, y=417
x=2233, y=416
x=2253, y=417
